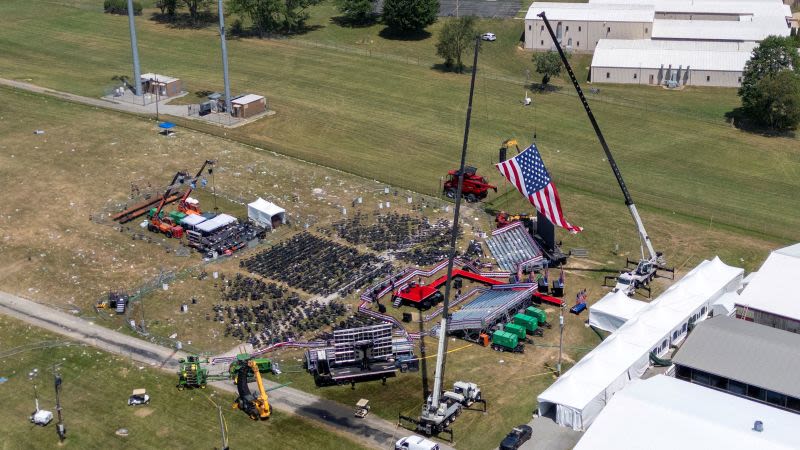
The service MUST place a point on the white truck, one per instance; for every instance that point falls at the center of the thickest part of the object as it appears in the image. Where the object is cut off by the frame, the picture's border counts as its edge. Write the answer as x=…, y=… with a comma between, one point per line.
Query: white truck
x=464, y=393
x=640, y=277
x=415, y=443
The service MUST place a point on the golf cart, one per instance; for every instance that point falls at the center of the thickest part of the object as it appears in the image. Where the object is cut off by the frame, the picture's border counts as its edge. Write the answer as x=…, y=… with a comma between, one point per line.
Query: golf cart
x=362, y=408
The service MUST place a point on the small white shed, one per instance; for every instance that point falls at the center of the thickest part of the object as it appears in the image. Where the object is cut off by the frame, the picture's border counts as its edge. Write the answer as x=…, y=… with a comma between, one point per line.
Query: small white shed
x=266, y=214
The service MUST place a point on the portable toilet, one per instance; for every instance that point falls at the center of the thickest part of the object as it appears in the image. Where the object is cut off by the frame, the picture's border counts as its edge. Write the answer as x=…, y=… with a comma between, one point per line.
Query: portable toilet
x=513, y=328
x=540, y=315
x=529, y=323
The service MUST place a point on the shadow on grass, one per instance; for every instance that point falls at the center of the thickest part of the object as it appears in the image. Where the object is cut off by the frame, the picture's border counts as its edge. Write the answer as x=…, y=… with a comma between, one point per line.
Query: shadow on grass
x=737, y=118
x=410, y=36
x=344, y=22
x=442, y=67
x=182, y=21
x=539, y=88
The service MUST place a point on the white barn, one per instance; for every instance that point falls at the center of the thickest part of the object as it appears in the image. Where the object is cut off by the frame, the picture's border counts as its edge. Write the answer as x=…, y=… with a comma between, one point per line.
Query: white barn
x=657, y=62
x=672, y=42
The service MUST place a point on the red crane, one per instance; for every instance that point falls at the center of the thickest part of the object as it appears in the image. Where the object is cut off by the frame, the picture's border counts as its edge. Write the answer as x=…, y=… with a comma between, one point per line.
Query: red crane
x=191, y=208
x=166, y=225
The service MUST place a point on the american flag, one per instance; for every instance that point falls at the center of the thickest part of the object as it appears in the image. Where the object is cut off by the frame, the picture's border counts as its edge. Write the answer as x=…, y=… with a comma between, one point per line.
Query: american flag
x=526, y=171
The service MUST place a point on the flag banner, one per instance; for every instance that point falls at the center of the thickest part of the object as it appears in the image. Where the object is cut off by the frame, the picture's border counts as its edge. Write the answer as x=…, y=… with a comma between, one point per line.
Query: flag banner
x=527, y=173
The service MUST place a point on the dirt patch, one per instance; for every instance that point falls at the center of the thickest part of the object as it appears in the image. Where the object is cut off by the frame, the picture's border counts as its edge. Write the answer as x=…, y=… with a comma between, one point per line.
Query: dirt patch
x=143, y=412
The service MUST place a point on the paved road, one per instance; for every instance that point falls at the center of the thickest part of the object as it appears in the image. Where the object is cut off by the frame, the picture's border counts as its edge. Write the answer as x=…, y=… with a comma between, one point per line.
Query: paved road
x=372, y=431
x=175, y=110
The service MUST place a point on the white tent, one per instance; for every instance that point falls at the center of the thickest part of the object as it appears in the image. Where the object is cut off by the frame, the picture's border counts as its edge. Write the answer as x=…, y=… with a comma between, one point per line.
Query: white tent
x=613, y=310
x=579, y=395
x=219, y=221
x=772, y=297
x=725, y=305
x=663, y=413
x=192, y=220
x=265, y=213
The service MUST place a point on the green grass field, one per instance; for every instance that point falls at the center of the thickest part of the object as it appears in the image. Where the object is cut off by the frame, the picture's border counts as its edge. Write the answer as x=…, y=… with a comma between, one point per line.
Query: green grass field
x=355, y=101
x=95, y=391
x=341, y=107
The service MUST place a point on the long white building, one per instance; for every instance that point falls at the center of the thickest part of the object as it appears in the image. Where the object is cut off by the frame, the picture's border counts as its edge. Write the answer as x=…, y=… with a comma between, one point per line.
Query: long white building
x=675, y=42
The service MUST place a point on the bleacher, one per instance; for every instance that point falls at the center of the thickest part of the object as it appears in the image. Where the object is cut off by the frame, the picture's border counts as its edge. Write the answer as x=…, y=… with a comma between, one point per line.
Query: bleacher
x=512, y=246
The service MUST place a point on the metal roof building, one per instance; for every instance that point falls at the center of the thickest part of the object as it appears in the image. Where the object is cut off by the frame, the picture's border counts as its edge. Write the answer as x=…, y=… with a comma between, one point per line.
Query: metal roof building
x=743, y=358
x=686, y=26
x=645, y=61
x=662, y=413
x=592, y=12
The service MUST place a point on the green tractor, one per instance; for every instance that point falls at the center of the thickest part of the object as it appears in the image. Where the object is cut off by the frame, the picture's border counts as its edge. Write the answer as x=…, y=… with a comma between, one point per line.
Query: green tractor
x=192, y=374
x=265, y=365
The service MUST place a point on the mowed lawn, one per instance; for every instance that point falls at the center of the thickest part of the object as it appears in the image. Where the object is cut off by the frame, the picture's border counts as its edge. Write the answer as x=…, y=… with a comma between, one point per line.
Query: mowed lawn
x=96, y=386
x=353, y=100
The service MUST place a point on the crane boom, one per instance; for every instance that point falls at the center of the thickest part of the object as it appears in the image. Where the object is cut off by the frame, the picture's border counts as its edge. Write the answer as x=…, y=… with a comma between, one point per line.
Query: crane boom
x=645, y=238
x=167, y=193
x=182, y=205
x=262, y=402
x=441, y=351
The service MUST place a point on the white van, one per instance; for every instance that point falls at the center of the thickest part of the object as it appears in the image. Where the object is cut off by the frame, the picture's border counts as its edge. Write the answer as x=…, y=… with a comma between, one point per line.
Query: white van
x=415, y=443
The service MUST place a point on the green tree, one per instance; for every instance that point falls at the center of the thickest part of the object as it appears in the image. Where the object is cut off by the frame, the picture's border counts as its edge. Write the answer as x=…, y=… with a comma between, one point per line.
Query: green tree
x=406, y=16
x=456, y=36
x=167, y=7
x=776, y=100
x=273, y=16
x=548, y=65
x=773, y=54
x=194, y=7
x=121, y=7
x=357, y=12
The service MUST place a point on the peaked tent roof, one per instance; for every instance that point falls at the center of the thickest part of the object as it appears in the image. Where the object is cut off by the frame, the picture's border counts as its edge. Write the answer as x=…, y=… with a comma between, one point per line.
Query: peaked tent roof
x=266, y=207
x=613, y=310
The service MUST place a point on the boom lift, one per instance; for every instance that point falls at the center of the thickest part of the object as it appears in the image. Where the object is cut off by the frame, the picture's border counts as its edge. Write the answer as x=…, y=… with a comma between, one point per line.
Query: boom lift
x=649, y=264
x=165, y=225
x=185, y=205
x=257, y=407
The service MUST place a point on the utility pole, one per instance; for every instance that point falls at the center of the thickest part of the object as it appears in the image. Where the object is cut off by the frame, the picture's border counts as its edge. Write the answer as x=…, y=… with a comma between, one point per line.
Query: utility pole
x=158, y=92
x=137, y=73
x=61, y=430
x=560, y=337
x=224, y=58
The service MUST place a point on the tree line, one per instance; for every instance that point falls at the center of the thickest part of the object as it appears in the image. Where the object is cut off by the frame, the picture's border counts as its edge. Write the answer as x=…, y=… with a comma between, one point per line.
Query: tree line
x=267, y=17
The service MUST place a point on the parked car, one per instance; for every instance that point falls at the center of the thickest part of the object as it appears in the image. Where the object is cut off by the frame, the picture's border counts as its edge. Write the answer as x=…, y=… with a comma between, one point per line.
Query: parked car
x=518, y=436
x=139, y=397
x=488, y=37
x=415, y=443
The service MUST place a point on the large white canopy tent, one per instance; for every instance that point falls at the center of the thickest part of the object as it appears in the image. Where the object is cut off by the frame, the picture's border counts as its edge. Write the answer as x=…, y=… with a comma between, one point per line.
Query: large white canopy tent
x=577, y=397
x=772, y=297
x=613, y=310
x=266, y=213
x=663, y=413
